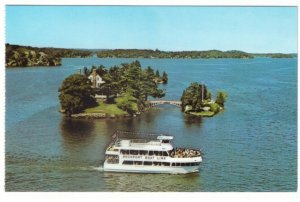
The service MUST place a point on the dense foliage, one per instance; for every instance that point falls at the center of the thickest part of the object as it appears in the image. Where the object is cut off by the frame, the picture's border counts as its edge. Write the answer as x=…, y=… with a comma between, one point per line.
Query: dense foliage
x=128, y=86
x=128, y=79
x=137, y=53
x=221, y=98
x=23, y=56
x=76, y=94
x=275, y=55
x=193, y=96
x=197, y=98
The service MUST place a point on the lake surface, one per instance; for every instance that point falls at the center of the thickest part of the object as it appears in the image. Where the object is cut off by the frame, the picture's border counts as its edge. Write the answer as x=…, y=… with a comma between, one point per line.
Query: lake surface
x=251, y=146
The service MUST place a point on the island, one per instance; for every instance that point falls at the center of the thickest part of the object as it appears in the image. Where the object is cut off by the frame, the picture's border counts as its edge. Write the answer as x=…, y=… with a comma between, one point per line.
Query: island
x=275, y=55
x=102, y=92
x=197, y=100
x=147, y=53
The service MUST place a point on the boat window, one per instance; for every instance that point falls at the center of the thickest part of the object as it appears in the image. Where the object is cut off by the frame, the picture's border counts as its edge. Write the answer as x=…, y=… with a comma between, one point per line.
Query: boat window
x=165, y=163
x=148, y=163
x=138, y=163
x=172, y=164
x=157, y=163
x=124, y=152
x=143, y=152
x=165, y=153
x=112, y=159
x=183, y=164
x=157, y=153
x=150, y=153
x=192, y=164
x=127, y=162
x=165, y=141
x=177, y=164
x=133, y=152
x=197, y=163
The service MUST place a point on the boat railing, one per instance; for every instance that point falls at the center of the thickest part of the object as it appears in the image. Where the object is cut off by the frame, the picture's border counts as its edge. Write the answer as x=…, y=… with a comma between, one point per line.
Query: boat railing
x=142, y=141
x=144, y=135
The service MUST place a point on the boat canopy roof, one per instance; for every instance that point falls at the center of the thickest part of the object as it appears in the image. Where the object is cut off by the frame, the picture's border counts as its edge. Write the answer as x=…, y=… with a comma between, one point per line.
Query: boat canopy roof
x=164, y=137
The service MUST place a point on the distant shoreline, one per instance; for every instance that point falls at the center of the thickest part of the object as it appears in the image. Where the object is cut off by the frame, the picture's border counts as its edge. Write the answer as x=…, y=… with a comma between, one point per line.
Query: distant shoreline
x=27, y=56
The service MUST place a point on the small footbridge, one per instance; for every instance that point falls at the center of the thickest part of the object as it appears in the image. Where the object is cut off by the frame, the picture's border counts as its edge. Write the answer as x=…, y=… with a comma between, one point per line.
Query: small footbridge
x=161, y=102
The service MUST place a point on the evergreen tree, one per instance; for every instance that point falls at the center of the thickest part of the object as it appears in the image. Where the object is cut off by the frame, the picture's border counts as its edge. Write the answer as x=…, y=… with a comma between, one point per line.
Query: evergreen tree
x=86, y=72
x=221, y=98
x=76, y=94
x=194, y=95
x=157, y=74
x=165, y=77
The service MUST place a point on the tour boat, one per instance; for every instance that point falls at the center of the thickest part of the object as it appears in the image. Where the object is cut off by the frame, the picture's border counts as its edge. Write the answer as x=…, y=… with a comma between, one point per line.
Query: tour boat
x=149, y=155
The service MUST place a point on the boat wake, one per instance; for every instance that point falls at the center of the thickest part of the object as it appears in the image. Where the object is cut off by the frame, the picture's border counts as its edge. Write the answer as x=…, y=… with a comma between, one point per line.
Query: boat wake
x=91, y=168
x=100, y=168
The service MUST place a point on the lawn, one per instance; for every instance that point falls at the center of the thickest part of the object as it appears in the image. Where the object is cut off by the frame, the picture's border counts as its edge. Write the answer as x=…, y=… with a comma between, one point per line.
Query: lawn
x=106, y=108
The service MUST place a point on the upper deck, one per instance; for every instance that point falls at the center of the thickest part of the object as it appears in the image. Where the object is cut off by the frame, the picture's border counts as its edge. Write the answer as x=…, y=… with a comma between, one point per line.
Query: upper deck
x=142, y=144
x=159, y=145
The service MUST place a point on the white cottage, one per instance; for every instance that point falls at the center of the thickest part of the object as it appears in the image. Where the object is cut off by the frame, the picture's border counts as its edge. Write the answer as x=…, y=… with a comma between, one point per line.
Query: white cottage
x=95, y=79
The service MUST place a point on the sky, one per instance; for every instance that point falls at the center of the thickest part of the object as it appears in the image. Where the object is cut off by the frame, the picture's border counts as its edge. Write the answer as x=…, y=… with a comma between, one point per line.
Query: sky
x=168, y=28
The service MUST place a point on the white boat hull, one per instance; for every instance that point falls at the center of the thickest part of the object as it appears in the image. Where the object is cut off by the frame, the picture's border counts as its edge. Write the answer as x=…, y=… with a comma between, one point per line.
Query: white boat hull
x=150, y=169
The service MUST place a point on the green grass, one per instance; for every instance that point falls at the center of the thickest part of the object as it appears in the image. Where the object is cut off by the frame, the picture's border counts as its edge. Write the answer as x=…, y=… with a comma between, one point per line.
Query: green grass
x=127, y=99
x=208, y=113
x=106, y=108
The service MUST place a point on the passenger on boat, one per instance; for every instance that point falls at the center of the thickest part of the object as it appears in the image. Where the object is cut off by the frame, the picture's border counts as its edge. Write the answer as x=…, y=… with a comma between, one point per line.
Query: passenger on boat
x=184, y=153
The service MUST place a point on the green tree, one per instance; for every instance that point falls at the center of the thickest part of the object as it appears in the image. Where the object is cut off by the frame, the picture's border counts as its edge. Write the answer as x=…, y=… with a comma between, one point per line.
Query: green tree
x=76, y=94
x=86, y=71
x=194, y=95
x=221, y=98
x=150, y=72
x=157, y=74
x=165, y=77
x=130, y=79
x=208, y=95
x=101, y=70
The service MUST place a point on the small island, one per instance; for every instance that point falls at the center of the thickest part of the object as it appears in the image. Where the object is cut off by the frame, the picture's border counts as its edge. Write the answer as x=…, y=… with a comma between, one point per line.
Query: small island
x=197, y=100
x=113, y=92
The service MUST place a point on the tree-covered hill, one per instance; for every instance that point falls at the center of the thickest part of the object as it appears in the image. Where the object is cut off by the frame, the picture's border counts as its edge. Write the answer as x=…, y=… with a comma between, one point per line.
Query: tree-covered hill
x=147, y=53
x=27, y=56
x=275, y=55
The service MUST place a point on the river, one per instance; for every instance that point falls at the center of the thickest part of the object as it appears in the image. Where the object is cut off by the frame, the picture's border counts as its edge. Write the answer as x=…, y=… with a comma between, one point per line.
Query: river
x=251, y=146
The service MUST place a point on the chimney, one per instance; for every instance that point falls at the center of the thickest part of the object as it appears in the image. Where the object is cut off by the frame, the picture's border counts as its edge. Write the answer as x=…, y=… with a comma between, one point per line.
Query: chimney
x=94, y=78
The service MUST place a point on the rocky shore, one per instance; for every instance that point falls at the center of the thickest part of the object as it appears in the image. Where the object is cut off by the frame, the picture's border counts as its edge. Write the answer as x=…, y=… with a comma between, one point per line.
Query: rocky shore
x=98, y=116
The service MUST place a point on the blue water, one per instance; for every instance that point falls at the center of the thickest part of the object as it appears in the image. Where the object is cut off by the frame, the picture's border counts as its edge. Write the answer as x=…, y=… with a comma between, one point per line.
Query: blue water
x=251, y=146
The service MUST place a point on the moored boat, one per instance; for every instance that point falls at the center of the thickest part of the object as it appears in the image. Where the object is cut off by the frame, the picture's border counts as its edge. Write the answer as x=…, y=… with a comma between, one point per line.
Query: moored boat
x=150, y=155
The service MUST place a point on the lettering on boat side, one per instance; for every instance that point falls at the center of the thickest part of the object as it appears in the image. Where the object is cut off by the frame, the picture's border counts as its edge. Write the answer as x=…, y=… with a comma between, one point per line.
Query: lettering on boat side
x=145, y=157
